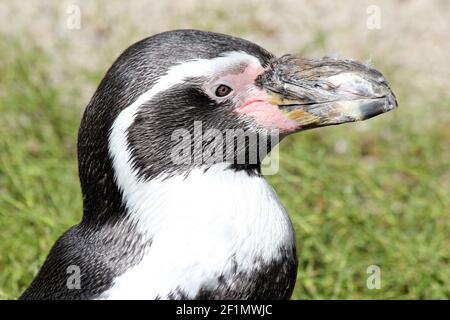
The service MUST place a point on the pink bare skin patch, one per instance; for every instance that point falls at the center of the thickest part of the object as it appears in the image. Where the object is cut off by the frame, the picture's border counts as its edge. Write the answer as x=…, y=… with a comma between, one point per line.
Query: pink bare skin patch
x=256, y=105
x=241, y=78
x=267, y=114
x=253, y=101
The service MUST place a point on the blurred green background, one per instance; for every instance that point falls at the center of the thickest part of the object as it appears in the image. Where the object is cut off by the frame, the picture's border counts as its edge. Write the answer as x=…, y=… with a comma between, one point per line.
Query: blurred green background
x=371, y=193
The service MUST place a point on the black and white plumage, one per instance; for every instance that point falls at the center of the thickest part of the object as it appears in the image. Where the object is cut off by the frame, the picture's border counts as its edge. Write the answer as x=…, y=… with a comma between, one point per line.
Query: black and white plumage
x=155, y=229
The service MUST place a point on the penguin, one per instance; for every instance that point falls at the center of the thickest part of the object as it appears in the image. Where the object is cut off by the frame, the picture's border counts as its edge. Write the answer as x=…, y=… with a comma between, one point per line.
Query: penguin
x=169, y=211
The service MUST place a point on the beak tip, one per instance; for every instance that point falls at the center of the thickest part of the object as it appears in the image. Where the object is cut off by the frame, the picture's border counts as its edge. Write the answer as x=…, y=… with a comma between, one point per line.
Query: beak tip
x=391, y=102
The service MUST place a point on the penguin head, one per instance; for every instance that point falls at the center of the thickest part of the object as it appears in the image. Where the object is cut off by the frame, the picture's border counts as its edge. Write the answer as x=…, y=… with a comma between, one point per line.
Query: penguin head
x=168, y=102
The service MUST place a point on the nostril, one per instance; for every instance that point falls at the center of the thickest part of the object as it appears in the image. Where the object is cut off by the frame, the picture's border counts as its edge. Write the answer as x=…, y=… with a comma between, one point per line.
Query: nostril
x=323, y=85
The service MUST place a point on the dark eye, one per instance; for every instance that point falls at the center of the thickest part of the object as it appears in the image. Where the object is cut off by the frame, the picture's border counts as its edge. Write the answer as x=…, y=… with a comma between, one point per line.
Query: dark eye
x=223, y=90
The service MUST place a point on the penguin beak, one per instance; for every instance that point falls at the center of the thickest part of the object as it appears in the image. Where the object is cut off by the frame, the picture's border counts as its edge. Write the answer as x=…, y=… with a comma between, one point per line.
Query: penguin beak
x=327, y=91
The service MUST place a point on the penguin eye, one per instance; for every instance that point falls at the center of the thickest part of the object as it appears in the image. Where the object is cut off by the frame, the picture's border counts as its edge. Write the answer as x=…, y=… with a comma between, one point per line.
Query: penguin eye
x=223, y=90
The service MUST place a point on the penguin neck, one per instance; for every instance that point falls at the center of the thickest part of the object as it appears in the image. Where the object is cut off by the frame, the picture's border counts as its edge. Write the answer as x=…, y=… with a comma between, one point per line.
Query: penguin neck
x=218, y=203
x=197, y=193
x=221, y=221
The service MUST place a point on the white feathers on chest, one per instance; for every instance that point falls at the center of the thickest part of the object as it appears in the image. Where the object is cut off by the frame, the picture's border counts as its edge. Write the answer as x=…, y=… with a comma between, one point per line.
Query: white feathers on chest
x=202, y=226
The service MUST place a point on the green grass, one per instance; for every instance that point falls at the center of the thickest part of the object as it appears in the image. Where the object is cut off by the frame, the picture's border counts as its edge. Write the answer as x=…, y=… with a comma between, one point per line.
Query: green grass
x=358, y=194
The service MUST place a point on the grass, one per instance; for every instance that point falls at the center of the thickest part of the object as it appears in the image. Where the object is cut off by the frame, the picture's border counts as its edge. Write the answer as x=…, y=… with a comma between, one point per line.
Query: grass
x=358, y=194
